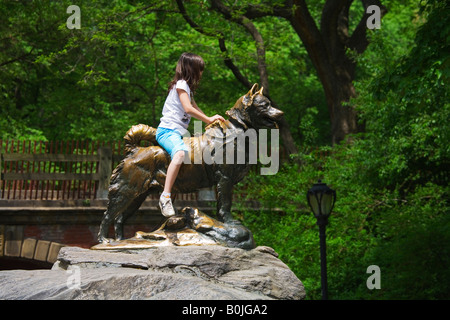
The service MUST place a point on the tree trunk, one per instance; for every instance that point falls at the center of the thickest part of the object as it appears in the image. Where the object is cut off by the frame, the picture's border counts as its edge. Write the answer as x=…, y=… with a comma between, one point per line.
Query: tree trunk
x=327, y=49
x=344, y=118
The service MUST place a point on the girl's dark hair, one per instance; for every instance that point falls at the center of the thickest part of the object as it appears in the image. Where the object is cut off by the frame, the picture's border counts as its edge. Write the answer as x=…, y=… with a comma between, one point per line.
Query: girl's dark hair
x=189, y=68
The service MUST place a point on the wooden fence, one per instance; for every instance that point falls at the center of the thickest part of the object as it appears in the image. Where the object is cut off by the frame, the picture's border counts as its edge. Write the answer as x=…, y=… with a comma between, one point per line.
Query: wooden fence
x=57, y=170
x=61, y=170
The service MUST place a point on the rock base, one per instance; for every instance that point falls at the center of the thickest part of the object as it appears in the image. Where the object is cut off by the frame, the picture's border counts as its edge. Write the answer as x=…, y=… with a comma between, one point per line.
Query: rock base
x=193, y=273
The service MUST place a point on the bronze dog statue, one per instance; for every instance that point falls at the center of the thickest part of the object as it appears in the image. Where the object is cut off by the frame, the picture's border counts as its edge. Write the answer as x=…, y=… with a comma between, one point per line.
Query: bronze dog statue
x=143, y=170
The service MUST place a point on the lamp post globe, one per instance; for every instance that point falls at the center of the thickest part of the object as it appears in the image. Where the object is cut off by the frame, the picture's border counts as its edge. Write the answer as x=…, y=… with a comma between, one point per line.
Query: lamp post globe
x=321, y=199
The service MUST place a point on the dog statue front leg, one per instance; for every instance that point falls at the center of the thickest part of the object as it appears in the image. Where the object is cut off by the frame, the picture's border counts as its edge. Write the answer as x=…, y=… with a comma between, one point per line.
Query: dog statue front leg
x=224, y=199
x=104, y=228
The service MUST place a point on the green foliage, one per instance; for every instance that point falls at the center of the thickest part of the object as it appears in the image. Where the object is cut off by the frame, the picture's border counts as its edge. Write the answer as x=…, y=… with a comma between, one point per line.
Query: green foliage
x=407, y=110
x=287, y=224
x=97, y=81
x=414, y=245
x=392, y=206
x=391, y=181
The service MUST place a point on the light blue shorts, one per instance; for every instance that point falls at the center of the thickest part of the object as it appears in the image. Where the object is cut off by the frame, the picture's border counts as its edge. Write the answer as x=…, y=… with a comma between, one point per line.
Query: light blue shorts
x=171, y=140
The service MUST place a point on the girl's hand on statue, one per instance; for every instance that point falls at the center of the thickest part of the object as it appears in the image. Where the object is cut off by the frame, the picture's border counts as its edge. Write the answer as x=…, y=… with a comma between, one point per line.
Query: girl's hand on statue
x=216, y=117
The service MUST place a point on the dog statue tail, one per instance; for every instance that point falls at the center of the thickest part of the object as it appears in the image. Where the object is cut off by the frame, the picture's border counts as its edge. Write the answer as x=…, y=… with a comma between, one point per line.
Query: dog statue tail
x=136, y=134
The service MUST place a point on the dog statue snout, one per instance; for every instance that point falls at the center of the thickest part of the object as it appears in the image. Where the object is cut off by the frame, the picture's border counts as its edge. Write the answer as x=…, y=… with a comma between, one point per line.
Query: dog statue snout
x=276, y=114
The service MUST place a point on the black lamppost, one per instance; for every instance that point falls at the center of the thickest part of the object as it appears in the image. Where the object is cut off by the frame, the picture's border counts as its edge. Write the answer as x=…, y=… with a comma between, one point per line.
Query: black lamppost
x=321, y=199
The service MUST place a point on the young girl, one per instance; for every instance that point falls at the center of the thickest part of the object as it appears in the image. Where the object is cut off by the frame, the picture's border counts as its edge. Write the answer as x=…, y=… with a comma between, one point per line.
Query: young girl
x=177, y=112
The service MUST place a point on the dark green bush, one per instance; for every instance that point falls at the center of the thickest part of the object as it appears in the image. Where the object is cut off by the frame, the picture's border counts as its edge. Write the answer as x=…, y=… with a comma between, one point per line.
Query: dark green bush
x=392, y=206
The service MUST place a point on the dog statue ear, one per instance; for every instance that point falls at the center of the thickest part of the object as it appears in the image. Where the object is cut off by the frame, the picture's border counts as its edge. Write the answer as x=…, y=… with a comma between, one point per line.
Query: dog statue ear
x=260, y=91
x=248, y=98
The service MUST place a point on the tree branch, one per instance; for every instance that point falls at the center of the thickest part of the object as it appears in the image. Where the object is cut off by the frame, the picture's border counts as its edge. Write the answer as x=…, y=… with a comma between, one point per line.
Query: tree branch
x=330, y=14
x=260, y=48
x=358, y=40
x=16, y=59
x=260, y=53
x=250, y=27
x=221, y=38
x=306, y=28
x=331, y=26
x=254, y=11
x=342, y=23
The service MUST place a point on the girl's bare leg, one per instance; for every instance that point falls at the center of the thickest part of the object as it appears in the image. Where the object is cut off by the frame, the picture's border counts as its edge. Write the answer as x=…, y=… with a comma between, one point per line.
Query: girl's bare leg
x=165, y=202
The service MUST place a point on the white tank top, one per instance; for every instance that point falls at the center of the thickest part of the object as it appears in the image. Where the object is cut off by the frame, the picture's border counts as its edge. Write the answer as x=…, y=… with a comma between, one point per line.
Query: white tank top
x=174, y=116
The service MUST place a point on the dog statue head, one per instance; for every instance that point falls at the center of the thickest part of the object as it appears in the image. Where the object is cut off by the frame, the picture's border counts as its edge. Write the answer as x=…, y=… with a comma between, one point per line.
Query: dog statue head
x=254, y=110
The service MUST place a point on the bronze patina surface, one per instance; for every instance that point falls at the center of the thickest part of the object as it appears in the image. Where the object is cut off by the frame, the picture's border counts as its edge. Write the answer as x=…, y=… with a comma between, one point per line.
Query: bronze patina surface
x=143, y=170
x=189, y=227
